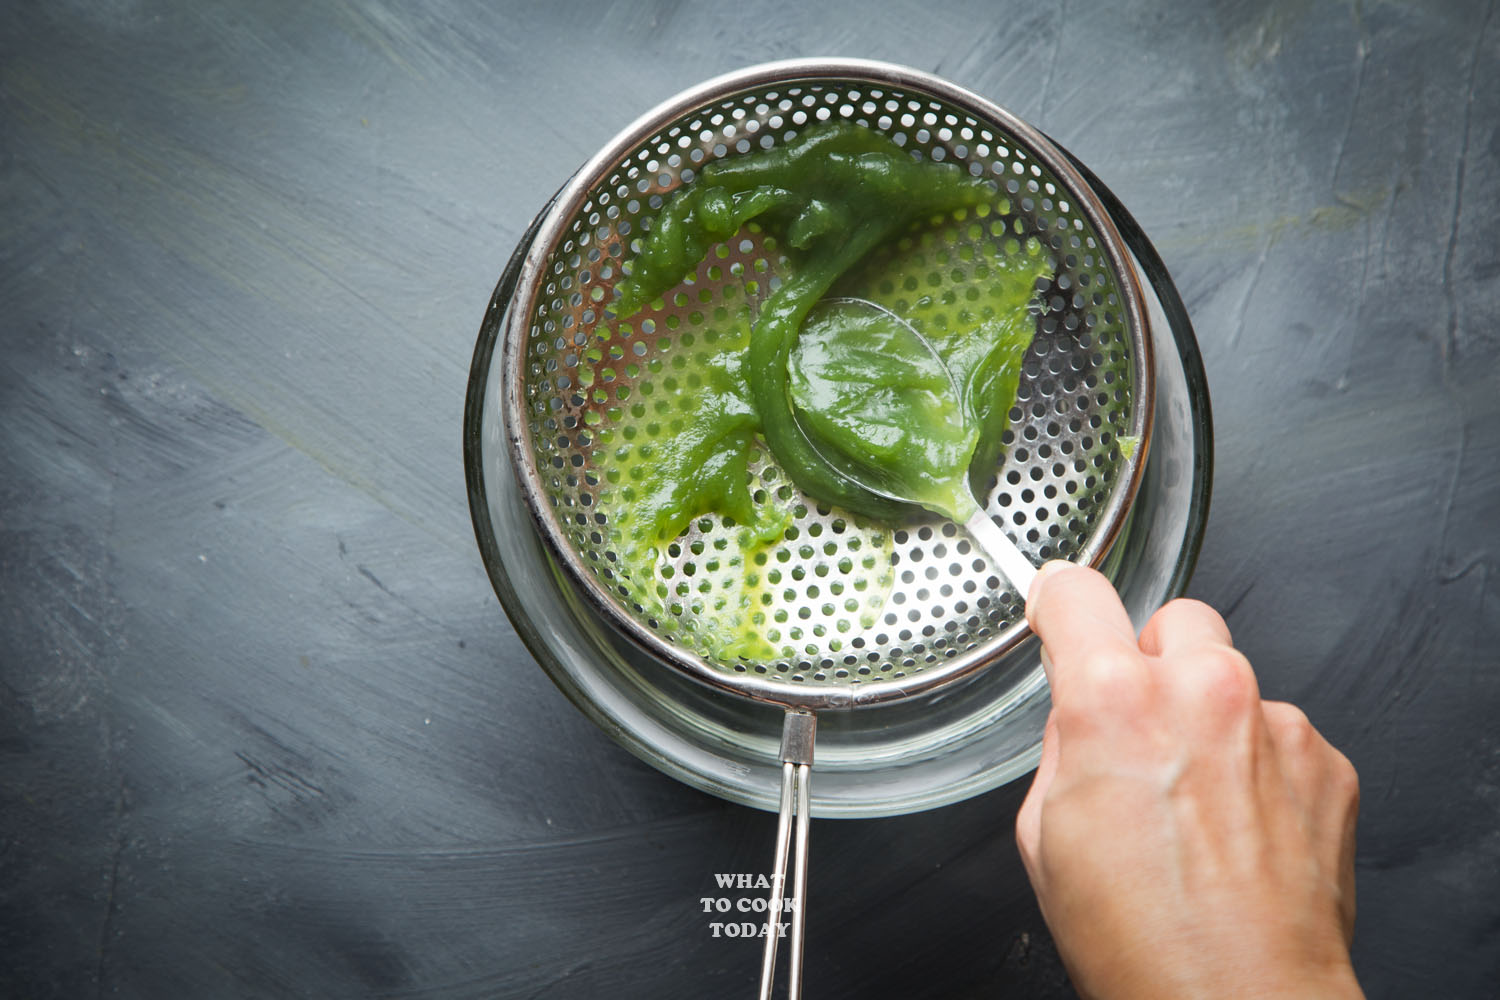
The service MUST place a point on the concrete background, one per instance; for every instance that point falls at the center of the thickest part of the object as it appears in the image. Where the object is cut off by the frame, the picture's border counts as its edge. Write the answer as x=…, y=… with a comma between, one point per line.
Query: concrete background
x=264, y=729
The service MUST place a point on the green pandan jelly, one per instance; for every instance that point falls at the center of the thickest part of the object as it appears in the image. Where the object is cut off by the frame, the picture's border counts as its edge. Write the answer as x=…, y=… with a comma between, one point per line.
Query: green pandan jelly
x=834, y=193
x=875, y=398
x=841, y=209
x=969, y=290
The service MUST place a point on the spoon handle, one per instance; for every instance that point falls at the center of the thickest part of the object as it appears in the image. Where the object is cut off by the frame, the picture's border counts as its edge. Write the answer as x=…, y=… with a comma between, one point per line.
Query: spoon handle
x=1002, y=552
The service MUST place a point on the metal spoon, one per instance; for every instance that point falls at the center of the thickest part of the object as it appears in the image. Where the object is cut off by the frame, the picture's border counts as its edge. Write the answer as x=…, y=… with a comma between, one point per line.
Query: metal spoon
x=997, y=545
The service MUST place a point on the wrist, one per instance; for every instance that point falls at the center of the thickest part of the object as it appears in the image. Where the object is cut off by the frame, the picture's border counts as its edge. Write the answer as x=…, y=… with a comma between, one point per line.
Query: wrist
x=1337, y=984
x=1332, y=982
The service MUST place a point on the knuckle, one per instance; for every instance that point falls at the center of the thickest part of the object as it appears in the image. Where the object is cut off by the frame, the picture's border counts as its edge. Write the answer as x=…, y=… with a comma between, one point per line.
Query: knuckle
x=1110, y=665
x=1224, y=678
x=1183, y=615
x=1115, y=680
x=1345, y=777
x=1291, y=729
x=1192, y=608
x=1284, y=716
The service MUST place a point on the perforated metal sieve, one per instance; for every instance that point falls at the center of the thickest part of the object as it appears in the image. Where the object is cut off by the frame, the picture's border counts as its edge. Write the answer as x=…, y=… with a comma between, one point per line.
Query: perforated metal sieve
x=853, y=613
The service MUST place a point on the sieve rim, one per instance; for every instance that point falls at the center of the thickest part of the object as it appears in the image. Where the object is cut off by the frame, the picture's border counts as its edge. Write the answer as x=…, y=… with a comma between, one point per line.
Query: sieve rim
x=569, y=200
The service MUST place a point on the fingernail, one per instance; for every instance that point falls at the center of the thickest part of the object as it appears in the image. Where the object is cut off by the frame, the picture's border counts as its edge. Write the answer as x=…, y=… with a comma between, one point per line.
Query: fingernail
x=1047, y=568
x=1052, y=566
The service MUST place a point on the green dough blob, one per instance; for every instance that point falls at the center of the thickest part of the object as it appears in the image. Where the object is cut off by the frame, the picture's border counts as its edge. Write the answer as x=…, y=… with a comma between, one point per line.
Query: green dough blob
x=968, y=288
x=835, y=193
x=696, y=439
x=683, y=444
x=875, y=398
x=698, y=516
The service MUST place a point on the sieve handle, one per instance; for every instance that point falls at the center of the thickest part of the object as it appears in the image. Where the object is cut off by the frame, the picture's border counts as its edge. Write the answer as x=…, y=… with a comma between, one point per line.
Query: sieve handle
x=797, y=734
x=1002, y=552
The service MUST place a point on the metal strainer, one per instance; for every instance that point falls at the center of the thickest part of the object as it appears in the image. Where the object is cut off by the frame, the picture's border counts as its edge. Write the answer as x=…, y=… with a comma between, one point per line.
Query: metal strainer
x=848, y=613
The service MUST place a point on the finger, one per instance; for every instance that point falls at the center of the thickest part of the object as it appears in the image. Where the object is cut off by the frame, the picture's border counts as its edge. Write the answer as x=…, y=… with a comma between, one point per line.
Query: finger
x=1316, y=770
x=1083, y=626
x=1346, y=861
x=1326, y=786
x=1181, y=625
x=1302, y=755
x=1029, y=816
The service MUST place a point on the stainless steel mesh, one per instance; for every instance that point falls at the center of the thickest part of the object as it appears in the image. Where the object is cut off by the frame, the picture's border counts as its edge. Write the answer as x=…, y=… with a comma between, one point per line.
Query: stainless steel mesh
x=851, y=611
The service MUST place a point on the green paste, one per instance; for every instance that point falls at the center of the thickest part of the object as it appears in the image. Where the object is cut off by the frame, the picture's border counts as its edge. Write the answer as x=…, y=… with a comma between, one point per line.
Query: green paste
x=708, y=438
x=875, y=398
x=908, y=398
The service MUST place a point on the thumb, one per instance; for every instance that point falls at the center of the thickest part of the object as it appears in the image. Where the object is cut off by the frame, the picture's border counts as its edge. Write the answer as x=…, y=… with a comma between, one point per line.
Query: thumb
x=1029, y=816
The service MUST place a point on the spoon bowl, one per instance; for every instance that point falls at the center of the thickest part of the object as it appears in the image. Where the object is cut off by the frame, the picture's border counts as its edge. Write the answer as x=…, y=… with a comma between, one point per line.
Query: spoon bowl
x=1001, y=550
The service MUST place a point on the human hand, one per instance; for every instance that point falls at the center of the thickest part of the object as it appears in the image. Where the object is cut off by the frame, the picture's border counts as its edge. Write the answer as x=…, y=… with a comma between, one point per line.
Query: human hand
x=1184, y=837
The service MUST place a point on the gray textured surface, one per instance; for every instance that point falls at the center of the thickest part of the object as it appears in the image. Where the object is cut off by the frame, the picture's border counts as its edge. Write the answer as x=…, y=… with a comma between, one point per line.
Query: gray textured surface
x=263, y=728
